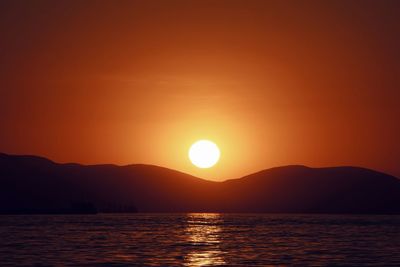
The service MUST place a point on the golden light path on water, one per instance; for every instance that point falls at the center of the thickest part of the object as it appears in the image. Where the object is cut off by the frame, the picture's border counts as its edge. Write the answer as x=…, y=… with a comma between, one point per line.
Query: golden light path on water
x=203, y=233
x=146, y=239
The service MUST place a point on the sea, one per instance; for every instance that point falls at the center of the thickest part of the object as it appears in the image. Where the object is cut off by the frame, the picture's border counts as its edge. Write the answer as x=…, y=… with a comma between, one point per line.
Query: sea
x=199, y=239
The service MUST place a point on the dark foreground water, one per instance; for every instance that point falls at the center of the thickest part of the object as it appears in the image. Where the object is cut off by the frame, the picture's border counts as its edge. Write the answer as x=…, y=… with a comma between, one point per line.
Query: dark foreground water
x=199, y=240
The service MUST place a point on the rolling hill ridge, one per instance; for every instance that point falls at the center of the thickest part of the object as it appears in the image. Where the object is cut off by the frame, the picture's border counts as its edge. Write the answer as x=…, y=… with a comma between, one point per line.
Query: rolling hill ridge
x=35, y=183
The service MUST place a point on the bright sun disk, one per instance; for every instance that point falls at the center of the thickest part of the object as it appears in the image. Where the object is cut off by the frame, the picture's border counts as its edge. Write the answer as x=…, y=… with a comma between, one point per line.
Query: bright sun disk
x=204, y=154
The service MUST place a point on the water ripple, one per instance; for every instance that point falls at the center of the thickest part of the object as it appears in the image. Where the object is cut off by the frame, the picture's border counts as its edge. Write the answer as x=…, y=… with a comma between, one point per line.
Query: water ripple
x=199, y=239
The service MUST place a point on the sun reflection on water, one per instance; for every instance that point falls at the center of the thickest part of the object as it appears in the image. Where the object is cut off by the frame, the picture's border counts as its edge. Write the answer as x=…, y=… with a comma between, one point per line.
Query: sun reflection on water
x=203, y=234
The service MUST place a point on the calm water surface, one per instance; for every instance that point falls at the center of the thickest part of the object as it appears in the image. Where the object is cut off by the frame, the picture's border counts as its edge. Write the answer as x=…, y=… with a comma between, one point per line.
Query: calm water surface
x=199, y=240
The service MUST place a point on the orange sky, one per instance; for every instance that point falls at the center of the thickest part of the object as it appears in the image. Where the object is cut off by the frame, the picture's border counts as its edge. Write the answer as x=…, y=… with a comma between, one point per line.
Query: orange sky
x=271, y=82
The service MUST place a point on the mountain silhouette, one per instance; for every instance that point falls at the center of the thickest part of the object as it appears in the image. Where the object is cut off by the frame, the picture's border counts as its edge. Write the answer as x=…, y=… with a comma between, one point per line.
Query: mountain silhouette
x=30, y=184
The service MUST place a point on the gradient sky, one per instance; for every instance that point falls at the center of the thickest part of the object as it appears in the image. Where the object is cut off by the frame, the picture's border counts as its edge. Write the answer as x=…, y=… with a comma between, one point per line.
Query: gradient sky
x=271, y=82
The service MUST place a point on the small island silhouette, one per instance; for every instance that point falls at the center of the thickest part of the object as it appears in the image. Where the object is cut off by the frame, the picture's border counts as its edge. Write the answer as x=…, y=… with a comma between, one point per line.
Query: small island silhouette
x=31, y=184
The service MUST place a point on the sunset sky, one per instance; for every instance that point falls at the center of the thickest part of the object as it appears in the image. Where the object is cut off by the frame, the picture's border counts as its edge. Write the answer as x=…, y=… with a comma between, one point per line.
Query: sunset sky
x=272, y=83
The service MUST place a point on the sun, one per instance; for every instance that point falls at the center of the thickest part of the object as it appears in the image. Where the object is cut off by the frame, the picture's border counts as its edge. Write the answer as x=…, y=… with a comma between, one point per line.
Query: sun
x=204, y=154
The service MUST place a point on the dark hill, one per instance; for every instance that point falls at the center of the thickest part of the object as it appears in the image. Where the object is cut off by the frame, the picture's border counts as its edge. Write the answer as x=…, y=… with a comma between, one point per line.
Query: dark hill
x=29, y=183
x=318, y=190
